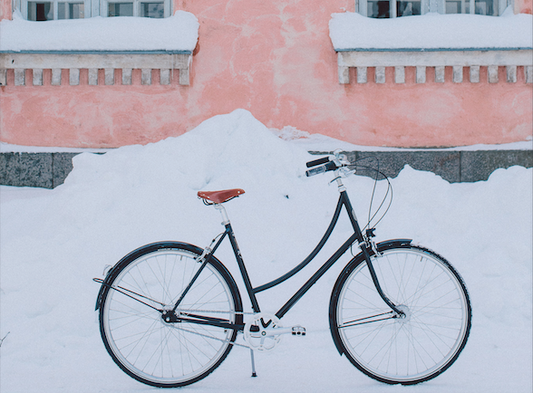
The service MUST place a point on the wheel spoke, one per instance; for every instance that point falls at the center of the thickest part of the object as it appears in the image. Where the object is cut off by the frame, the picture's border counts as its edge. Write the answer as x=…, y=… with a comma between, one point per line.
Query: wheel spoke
x=148, y=348
x=426, y=339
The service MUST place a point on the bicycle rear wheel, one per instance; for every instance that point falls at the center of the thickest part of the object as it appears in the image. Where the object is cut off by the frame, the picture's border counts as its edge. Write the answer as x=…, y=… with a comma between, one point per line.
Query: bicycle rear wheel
x=406, y=350
x=135, y=334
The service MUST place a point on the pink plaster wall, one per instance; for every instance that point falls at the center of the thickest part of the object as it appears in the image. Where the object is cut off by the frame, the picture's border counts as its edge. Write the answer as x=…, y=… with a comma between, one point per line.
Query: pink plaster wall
x=276, y=60
x=5, y=10
x=523, y=6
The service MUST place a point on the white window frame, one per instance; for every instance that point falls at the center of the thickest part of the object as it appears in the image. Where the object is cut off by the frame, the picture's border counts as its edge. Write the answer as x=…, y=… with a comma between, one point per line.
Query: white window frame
x=104, y=5
x=86, y=6
x=439, y=6
x=92, y=7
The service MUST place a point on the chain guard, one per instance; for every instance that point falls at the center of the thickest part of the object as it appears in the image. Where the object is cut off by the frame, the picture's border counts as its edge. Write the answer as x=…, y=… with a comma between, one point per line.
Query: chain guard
x=260, y=332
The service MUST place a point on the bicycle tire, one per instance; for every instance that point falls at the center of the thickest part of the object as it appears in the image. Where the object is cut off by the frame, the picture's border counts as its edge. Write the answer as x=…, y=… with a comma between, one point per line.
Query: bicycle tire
x=135, y=335
x=406, y=350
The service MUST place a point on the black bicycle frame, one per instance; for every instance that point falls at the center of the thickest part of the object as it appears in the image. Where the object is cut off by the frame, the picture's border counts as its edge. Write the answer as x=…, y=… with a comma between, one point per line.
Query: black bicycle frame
x=356, y=237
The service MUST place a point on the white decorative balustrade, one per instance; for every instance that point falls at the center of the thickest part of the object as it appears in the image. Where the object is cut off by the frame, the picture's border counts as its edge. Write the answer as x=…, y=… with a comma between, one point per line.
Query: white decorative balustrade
x=164, y=61
x=474, y=58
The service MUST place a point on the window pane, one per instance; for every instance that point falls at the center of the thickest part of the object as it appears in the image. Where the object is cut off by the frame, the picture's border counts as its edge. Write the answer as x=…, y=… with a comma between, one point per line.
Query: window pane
x=77, y=10
x=455, y=7
x=485, y=7
x=70, y=10
x=39, y=11
x=120, y=9
x=406, y=8
x=62, y=12
x=153, y=10
x=378, y=9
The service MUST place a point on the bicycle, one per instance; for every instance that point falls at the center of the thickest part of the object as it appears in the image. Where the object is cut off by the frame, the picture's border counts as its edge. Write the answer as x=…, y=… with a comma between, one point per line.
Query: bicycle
x=170, y=312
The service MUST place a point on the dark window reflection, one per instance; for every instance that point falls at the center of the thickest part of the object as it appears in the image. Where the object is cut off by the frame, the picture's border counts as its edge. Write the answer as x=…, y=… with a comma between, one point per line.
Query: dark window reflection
x=153, y=10
x=120, y=9
x=382, y=9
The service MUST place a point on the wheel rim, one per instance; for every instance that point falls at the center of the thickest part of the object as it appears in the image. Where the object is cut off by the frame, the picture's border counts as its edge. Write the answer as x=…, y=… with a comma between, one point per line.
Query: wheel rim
x=160, y=353
x=427, y=339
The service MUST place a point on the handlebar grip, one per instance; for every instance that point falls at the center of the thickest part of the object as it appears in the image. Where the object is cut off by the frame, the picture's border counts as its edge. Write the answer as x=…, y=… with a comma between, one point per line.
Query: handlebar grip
x=330, y=166
x=320, y=161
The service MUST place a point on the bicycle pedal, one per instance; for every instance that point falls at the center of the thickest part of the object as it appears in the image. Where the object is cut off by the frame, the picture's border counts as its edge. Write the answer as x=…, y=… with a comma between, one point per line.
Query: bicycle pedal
x=298, y=331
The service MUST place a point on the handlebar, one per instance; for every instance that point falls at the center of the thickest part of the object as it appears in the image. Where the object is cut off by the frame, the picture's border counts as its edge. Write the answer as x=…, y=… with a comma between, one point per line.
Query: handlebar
x=330, y=166
x=337, y=160
x=320, y=161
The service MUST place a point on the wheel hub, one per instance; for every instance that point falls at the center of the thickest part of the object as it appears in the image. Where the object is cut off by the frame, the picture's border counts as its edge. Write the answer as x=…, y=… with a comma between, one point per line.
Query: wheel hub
x=169, y=316
x=406, y=313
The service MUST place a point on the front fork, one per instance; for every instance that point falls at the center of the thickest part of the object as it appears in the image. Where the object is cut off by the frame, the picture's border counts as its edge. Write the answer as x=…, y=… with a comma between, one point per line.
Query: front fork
x=368, y=247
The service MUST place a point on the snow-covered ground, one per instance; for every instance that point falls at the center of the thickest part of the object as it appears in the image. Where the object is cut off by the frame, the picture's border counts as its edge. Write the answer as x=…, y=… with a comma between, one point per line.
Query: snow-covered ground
x=53, y=242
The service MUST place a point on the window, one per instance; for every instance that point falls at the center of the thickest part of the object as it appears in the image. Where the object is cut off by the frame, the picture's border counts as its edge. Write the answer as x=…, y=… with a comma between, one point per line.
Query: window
x=120, y=9
x=397, y=8
x=383, y=8
x=70, y=10
x=77, y=9
x=40, y=11
x=147, y=9
x=49, y=10
x=485, y=7
x=152, y=10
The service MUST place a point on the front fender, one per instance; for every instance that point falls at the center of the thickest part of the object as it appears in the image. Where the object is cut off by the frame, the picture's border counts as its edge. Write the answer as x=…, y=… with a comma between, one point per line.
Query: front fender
x=381, y=246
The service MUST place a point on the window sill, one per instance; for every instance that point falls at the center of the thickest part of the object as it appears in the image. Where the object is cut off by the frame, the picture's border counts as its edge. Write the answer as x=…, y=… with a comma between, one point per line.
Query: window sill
x=165, y=61
x=439, y=58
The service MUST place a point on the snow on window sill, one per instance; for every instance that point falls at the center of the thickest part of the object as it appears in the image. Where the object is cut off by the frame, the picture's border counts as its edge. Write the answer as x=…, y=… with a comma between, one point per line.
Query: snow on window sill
x=433, y=40
x=125, y=43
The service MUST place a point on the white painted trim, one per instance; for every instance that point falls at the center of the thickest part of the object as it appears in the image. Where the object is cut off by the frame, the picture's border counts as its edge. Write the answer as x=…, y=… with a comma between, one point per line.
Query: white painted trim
x=459, y=57
x=437, y=59
x=93, y=62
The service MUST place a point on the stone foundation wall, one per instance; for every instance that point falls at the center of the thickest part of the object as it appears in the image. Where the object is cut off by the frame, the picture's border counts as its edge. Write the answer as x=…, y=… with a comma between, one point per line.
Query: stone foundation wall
x=48, y=170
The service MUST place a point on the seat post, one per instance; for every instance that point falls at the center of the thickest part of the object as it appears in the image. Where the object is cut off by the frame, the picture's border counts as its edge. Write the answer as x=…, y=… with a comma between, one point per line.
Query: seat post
x=222, y=210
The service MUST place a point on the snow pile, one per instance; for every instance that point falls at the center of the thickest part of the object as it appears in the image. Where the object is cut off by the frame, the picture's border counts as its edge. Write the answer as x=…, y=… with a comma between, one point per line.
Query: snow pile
x=323, y=143
x=55, y=241
x=178, y=32
x=354, y=31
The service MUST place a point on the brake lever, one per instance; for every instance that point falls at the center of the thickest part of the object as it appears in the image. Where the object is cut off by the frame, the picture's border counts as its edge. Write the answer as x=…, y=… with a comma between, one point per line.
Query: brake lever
x=340, y=159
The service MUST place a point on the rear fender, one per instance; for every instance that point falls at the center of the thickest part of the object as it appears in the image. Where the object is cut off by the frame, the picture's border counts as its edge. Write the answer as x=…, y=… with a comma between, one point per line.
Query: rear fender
x=110, y=276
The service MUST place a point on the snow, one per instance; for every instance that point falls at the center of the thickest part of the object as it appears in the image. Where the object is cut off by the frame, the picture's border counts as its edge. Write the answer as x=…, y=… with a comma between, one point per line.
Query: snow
x=347, y=31
x=55, y=241
x=178, y=32
x=354, y=31
x=323, y=143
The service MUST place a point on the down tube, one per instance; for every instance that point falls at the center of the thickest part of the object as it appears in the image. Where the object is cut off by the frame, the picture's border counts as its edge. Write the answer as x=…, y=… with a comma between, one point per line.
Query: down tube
x=320, y=272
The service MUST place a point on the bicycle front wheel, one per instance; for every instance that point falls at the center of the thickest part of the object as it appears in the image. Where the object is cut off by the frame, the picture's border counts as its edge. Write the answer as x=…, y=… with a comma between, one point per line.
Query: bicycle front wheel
x=144, y=285
x=426, y=340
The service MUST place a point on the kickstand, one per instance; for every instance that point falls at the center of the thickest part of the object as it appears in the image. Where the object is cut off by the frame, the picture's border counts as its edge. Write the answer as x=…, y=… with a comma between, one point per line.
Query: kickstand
x=254, y=374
